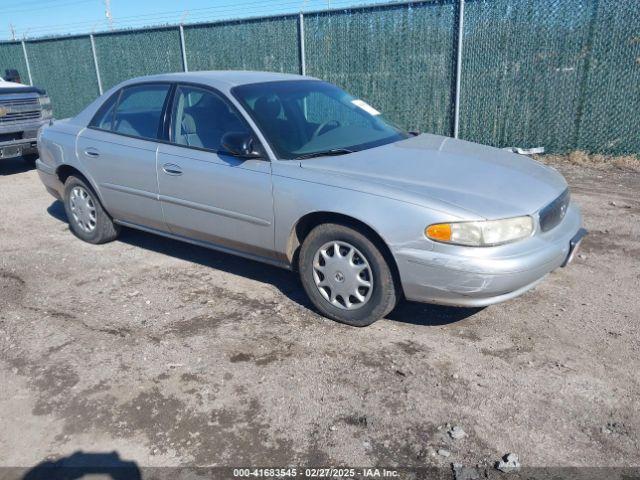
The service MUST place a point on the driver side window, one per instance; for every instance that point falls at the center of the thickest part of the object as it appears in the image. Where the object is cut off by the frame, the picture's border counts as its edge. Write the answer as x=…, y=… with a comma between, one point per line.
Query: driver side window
x=201, y=118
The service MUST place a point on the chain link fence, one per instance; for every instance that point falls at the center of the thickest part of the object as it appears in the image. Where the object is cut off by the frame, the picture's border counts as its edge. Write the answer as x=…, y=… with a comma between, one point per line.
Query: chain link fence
x=563, y=74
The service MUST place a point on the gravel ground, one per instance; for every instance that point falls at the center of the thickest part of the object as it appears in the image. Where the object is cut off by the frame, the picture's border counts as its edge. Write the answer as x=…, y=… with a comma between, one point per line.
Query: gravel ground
x=171, y=354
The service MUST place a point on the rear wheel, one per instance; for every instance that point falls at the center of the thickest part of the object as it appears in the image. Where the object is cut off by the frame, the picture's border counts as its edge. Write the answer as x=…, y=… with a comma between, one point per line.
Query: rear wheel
x=346, y=275
x=87, y=219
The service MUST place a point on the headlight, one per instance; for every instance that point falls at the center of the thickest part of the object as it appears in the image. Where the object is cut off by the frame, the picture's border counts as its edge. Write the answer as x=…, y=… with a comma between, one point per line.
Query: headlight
x=481, y=234
x=45, y=104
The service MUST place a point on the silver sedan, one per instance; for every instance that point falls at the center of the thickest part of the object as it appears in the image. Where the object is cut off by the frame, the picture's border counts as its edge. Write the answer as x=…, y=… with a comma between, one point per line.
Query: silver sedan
x=295, y=172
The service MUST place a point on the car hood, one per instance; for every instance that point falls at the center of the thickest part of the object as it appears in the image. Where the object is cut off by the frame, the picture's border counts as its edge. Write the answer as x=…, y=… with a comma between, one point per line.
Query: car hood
x=486, y=181
x=12, y=87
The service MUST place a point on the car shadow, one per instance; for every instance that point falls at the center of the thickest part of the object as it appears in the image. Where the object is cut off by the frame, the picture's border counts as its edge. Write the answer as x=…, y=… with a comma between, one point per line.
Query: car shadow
x=427, y=314
x=85, y=465
x=285, y=281
x=11, y=166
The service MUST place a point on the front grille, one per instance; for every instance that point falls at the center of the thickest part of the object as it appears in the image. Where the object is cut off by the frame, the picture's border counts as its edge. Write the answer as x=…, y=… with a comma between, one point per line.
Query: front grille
x=19, y=117
x=19, y=110
x=20, y=102
x=552, y=214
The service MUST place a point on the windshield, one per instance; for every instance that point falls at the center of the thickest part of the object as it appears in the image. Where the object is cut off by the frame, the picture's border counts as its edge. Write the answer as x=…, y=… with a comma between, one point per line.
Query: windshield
x=305, y=118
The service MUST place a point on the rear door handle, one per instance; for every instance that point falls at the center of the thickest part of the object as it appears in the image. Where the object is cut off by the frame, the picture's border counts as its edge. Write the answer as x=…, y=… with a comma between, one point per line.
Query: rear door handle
x=92, y=152
x=171, y=169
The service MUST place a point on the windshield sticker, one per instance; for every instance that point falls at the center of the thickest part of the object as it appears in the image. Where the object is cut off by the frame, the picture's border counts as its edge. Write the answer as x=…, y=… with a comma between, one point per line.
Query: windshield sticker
x=366, y=107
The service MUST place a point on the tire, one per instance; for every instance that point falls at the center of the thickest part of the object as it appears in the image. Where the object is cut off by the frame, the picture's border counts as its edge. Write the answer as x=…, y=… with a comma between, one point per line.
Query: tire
x=324, y=281
x=87, y=218
x=30, y=159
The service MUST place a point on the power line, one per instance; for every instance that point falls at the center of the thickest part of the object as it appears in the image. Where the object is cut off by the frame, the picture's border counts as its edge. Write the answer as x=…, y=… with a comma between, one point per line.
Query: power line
x=202, y=14
x=57, y=4
x=30, y=3
x=167, y=15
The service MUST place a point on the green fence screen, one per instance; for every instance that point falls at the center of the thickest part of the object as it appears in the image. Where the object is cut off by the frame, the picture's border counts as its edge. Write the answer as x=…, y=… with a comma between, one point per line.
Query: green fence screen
x=124, y=55
x=400, y=59
x=561, y=74
x=12, y=58
x=64, y=68
x=521, y=72
x=609, y=115
x=558, y=74
x=269, y=44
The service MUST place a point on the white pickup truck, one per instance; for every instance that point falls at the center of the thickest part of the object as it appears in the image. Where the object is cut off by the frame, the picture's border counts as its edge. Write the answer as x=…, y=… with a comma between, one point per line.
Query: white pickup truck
x=23, y=110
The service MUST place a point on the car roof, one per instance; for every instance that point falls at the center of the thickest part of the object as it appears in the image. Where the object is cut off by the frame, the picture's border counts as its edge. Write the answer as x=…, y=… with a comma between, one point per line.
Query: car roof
x=221, y=78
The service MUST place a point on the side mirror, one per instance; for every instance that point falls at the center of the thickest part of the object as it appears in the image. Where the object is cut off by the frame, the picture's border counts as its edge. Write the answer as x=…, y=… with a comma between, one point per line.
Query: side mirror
x=242, y=145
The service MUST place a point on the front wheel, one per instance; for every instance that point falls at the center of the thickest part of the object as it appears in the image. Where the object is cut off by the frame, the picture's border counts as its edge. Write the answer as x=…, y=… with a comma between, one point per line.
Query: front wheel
x=346, y=275
x=87, y=219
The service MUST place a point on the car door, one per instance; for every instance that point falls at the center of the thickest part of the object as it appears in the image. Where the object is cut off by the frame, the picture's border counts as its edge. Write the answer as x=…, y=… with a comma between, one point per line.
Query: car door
x=118, y=150
x=207, y=194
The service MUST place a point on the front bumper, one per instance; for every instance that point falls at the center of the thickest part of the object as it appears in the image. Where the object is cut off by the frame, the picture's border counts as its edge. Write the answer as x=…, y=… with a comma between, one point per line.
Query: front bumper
x=477, y=277
x=16, y=148
x=22, y=138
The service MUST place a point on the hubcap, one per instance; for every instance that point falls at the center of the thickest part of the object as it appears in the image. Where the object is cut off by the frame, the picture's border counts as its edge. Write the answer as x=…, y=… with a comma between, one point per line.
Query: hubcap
x=342, y=275
x=83, y=209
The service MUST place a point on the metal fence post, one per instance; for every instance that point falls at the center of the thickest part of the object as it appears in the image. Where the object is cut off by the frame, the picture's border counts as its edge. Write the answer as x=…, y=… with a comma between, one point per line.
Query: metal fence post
x=95, y=63
x=303, y=66
x=183, y=50
x=456, y=109
x=26, y=61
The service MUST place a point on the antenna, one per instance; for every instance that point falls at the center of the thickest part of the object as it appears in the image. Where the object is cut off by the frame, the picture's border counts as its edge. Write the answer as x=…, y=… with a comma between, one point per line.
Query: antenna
x=13, y=31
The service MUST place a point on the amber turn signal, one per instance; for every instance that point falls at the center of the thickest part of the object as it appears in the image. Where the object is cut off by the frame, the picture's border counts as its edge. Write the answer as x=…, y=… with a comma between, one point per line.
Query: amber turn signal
x=440, y=232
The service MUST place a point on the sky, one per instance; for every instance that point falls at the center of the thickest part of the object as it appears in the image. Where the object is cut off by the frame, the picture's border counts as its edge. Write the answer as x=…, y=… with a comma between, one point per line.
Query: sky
x=38, y=18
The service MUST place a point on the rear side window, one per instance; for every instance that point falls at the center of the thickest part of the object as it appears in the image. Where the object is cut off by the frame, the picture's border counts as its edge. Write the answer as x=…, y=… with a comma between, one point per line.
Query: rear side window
x=103, y=119
x=139, y=111
x=134, y=111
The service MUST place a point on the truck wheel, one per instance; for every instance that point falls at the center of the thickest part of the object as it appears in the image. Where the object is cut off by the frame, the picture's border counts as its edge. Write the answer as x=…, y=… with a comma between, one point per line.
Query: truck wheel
x=346, y=276
x=87, y=219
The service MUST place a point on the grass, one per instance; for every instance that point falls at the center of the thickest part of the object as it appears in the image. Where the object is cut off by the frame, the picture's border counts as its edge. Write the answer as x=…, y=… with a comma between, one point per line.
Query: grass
x=630, y=163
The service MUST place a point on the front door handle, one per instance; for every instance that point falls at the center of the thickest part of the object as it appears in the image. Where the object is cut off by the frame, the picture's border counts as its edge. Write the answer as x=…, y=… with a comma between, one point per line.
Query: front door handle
x=171, y=169
x=92, y=152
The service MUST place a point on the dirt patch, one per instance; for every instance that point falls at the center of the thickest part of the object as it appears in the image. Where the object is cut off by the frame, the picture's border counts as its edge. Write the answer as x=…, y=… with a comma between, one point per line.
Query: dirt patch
x=264, y=358
x=198, y=325
x=608, y=242
x=11, y=289
x=241, y=357
x=176, y=355
x=356, y=420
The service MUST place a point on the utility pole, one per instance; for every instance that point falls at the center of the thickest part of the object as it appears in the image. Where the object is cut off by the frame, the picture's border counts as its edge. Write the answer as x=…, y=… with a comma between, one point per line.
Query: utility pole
x=107, y=13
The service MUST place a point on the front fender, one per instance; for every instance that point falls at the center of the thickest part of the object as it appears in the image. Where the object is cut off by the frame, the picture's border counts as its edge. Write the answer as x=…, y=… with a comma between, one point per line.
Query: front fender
x=400, y=224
